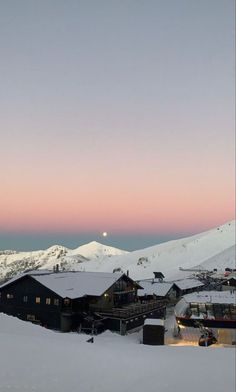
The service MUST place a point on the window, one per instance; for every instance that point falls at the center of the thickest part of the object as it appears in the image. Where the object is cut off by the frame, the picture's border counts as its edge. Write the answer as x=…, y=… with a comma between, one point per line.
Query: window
x=56, y=302
x=210, y=311
x=226, y=311
x=10, y=296
x=25, y=298
x=202, y=310
x=233, y=311
x=194, y=310
x=218, y=310
x=37, y=300
x=66, y=301
x=30, y=317
x=48, y=301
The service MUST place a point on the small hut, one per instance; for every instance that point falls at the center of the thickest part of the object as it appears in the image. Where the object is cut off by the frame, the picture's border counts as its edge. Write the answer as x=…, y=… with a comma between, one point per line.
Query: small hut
x=154, y=332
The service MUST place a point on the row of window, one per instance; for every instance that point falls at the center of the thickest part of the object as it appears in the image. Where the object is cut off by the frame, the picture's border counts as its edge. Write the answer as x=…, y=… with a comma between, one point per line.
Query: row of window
x=212, y=310
x=48, y=301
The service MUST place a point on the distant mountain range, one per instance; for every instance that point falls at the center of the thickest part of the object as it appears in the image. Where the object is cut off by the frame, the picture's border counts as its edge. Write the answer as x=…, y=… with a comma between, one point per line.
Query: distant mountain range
x=13, y=262
x=211, y=249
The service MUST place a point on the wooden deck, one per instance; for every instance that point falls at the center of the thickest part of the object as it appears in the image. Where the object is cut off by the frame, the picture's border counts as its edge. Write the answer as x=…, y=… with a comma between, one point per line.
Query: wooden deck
x=134, y=309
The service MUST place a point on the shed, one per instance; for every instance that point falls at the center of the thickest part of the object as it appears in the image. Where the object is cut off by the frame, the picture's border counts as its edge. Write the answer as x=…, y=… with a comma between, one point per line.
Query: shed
x=154, y=332
x=185, y=286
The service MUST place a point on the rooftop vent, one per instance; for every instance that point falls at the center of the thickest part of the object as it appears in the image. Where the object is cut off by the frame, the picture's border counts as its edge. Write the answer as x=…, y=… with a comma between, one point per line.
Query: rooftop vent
x=159, y=275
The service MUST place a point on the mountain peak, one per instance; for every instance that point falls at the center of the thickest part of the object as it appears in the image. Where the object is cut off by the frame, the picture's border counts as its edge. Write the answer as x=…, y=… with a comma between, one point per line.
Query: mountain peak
x=97, y=249
x=56, y=248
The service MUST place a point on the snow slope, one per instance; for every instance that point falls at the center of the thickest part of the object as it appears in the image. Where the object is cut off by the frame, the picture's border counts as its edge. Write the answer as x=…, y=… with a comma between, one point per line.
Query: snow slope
x=34, y=359
x=212, y=249
x=226, y=258
x=204, y=250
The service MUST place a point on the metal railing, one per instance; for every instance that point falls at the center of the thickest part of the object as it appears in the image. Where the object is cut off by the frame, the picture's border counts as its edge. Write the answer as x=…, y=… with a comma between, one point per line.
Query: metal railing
x=134, y=309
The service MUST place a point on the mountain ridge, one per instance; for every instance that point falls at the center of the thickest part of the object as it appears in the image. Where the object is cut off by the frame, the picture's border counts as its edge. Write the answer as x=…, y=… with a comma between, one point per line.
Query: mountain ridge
x=215, y=247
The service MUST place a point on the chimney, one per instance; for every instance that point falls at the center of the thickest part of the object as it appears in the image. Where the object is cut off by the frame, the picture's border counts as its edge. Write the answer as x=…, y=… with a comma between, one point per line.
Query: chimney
x=159, y=276
x=127, y=273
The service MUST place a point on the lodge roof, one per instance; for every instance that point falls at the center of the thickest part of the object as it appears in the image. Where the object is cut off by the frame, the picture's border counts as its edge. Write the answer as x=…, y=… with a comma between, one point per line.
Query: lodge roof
x=73, y=284
x=214, y=297
x=158, y=322
x=152, y=287
x=78, y=284
x=25, y=273
x=185, y=284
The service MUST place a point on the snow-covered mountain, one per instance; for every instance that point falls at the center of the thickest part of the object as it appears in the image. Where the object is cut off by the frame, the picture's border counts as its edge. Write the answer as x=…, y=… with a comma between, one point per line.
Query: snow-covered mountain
x=96, y=250
x=211, y=249
x=224, y=259
x=12, y=262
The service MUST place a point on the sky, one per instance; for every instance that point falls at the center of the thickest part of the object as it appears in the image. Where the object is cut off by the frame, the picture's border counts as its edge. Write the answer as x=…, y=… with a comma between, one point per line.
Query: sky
x=115, y=116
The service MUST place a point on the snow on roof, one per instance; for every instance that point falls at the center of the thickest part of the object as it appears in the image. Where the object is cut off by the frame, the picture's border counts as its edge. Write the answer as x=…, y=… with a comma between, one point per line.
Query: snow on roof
x=157, y=288
x=149, y=321
x=72, y=284
x=185, y=284
x=25, y=273
x=214, y=297
x=18, y=276
x=78, y=284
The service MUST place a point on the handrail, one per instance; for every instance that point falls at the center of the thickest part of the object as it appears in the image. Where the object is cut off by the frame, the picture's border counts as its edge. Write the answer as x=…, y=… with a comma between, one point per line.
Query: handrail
x=133, y=310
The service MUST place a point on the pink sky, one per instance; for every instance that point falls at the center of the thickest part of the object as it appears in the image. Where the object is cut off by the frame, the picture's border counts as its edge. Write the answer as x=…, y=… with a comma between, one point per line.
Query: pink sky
x=127, y=196
x=117, y=127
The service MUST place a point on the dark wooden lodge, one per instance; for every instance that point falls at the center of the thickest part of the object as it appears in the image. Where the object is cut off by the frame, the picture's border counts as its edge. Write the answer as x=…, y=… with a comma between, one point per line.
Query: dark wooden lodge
x=82, y=301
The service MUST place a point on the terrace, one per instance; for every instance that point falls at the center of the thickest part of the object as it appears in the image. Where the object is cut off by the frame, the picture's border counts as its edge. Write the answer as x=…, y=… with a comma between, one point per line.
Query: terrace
x=134, y=309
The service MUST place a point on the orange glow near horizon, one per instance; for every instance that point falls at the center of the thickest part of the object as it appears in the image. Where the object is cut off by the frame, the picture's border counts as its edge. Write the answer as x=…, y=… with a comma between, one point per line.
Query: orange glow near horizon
x=161, y=207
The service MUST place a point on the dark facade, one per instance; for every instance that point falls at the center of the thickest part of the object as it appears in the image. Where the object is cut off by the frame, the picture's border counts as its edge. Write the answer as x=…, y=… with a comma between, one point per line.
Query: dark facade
x=131, y=317
x=29, y=300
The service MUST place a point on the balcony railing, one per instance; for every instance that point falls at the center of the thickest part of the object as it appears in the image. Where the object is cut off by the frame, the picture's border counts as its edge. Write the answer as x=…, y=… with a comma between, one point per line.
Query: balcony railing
x=133, y=309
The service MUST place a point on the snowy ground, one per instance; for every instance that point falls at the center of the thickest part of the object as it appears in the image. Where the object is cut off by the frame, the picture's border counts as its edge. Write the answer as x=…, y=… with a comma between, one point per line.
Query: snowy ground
x=35, y=359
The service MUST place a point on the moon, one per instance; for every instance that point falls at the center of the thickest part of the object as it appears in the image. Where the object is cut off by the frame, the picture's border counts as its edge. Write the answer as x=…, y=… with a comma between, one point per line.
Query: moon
x=104, y=234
